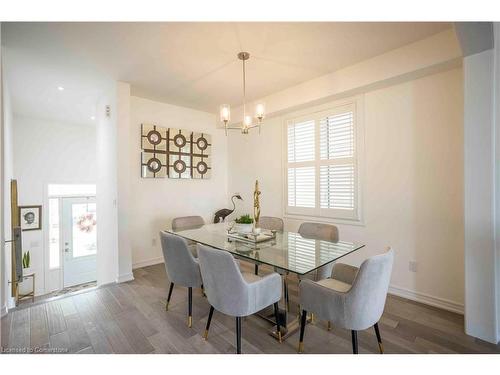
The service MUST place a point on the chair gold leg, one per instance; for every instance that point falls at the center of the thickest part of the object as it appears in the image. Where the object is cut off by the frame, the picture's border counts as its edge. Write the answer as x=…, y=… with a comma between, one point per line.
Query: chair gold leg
x=379, y=338
x=329, y=326
x=209, y=320
x=301, y=347
x=312, y=318
x=190, y=307
x=381, y=348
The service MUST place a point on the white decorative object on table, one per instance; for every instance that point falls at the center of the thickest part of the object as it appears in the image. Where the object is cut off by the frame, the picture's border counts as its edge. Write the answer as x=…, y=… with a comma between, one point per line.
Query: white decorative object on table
x=243, y=228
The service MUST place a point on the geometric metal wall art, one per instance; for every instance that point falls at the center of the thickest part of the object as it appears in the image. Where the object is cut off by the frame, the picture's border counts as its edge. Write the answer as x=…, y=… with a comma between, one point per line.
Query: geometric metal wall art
x=174, y=153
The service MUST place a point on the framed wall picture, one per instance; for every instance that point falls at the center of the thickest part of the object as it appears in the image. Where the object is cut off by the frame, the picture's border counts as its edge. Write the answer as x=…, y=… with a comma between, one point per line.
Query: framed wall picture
x=30, y=217
x=175, y=153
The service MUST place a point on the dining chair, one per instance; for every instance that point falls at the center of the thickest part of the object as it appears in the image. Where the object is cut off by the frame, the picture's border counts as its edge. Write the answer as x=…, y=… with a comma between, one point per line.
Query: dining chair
x=269, y=223
x=188, y=222
x=234, y=293
x=324, y=232
x=182, y=268
x=352, y=298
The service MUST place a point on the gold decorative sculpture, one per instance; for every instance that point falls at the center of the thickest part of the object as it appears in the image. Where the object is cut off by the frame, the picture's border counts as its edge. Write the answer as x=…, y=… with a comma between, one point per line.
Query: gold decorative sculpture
x=256, y=203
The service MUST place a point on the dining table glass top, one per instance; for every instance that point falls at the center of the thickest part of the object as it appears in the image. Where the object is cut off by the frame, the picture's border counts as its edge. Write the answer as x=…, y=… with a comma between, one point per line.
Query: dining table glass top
x=287, y=251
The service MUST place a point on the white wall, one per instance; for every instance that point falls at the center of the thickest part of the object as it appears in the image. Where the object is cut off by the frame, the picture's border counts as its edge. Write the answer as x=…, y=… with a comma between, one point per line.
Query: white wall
x=123, y=180
x=4, y=108
x=154, y=202
x=479, y=168
x=46, y=152
x=496, y=88
x=3, y=297
x=7, y=175
x=413, y=183
x=107, y=189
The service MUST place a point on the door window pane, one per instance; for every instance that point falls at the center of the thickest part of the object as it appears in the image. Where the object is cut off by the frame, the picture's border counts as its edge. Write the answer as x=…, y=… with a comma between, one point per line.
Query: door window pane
x=84, y=229
x=54, y=233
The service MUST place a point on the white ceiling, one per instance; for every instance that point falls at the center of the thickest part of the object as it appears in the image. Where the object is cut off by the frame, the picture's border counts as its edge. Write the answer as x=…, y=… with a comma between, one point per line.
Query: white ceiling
x=188, y=64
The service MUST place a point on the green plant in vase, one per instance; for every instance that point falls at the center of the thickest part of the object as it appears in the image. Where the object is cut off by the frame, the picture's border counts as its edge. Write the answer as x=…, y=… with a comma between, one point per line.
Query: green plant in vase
x=245, y=219
x=244, y=224
x=26, y=260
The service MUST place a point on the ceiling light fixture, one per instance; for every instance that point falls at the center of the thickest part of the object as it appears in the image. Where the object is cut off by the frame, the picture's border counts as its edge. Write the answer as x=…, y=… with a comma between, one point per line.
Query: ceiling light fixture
x=60, y=88
x=92, y=117
x=247, y=120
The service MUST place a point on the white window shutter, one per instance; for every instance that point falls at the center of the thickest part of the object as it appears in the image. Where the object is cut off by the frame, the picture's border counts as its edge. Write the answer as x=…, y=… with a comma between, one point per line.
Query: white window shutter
x=301, y=142
x=337, y=172
x=322, y=164
x=337, y=136
x=301, y=173
x=337, y=186
x=301, y=187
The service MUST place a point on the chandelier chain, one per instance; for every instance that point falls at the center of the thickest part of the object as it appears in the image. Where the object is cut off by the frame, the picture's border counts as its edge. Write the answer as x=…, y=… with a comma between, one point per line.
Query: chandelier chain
x=244, y=90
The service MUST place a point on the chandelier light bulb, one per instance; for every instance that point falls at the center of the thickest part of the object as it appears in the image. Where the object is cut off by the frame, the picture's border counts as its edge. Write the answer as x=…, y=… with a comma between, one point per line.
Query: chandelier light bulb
x=248, y=121
x=260, y=110
x=225, y=113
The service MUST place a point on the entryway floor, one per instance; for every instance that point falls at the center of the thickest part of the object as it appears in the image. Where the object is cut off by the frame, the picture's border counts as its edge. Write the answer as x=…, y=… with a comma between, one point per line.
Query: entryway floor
x=57, y=293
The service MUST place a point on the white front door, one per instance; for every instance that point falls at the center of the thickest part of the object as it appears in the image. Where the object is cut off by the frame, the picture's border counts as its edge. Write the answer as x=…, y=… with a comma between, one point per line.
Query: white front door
x=79, y=238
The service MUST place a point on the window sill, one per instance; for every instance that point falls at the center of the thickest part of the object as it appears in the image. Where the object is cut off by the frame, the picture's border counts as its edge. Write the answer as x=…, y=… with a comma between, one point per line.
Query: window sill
x=326, y=220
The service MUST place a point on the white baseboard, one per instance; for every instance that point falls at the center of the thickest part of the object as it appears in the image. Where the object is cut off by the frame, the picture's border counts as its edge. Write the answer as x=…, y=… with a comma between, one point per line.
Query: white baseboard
x=148, y=262
x=11, y=302
x=4, y=311
x=427, y=299
x=124, y=278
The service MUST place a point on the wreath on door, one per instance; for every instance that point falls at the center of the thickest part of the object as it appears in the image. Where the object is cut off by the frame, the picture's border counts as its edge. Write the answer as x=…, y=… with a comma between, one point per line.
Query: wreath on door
x=86, y=223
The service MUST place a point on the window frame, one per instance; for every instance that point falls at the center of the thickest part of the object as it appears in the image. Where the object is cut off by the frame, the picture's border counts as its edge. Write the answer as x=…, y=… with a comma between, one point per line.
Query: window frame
x=325, y=214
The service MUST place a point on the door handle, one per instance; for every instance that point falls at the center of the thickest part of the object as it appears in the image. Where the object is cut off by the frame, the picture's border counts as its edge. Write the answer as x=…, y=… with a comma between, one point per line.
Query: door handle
x=66, y=250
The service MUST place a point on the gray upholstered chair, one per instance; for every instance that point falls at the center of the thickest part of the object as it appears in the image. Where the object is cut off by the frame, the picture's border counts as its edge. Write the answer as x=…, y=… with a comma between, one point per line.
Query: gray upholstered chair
x=269, y=223
x=182, y=268
x=188, y=222
x=235, y=293
x=352, y=299
x=324, y=232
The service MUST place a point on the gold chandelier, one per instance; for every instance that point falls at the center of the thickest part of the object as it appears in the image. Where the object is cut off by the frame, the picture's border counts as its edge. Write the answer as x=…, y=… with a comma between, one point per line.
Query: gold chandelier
x=247, y=121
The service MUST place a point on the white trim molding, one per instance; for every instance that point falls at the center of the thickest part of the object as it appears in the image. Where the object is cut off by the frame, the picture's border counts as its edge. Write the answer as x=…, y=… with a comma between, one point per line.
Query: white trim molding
x=124, y=278
x=427, y=299
x=147, y=262
x=4, y=311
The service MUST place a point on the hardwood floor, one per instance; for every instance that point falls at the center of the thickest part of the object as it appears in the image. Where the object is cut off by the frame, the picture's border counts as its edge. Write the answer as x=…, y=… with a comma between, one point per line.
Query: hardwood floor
x=131, y=318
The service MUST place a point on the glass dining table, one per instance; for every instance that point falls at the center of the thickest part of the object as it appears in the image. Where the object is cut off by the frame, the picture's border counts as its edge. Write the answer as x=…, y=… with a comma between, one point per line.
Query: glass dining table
x=286, y=252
